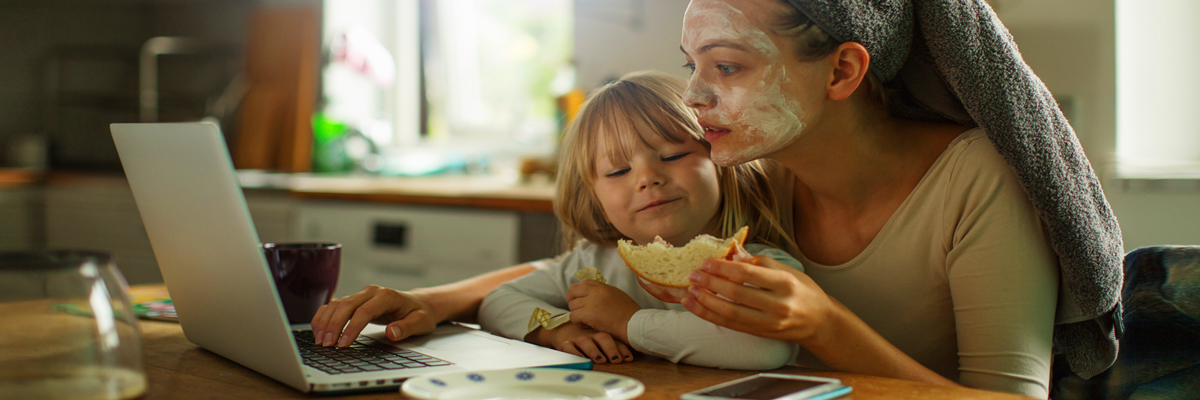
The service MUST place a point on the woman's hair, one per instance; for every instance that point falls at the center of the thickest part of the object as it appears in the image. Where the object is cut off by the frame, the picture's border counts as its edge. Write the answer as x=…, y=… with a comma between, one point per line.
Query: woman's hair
x=813, y=43
x=608, y=120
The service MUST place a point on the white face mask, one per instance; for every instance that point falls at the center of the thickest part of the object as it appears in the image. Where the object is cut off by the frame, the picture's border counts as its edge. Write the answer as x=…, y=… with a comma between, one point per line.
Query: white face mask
x=763, y=119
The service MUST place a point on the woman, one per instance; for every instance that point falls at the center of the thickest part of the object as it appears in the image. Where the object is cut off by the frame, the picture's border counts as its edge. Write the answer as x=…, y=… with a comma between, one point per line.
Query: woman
x=913, y=233
x=927, y=260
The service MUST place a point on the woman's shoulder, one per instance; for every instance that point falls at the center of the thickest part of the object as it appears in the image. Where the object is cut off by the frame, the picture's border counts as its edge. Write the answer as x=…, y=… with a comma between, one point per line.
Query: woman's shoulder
x=975, y=174
x=972, y=156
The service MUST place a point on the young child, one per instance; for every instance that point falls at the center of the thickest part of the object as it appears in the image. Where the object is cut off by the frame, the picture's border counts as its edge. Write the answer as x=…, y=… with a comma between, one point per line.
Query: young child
x=634, y=165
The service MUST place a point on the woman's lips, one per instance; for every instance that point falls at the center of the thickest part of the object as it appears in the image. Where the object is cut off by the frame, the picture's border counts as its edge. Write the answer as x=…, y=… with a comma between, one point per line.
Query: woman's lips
x=713, y=134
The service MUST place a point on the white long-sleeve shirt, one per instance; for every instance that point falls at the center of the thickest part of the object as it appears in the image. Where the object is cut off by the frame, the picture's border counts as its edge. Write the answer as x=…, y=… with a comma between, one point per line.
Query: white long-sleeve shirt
x=661, y=329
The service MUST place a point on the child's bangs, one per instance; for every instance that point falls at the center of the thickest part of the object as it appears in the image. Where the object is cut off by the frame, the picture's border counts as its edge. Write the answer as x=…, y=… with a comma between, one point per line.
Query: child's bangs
x=623, y=115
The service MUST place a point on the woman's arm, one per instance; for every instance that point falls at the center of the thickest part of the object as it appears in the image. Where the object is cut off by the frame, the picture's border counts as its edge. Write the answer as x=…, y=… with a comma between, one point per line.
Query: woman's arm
x=788, y=305
x=406, y=313
x=460, y=301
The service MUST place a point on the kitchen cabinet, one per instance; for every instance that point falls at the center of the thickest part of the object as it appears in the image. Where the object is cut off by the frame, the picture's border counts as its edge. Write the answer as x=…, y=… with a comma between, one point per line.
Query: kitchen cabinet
x=20, y=218
x=394, y=244
x=406, y=246
x=99, y=213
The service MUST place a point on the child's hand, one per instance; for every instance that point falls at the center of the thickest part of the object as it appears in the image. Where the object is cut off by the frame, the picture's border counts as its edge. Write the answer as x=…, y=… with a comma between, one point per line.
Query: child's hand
x=601, y=307
x=578, y=340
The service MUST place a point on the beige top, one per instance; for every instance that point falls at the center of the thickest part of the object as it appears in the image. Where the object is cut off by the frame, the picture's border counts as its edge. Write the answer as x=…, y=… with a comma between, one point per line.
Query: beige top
x=961, y=277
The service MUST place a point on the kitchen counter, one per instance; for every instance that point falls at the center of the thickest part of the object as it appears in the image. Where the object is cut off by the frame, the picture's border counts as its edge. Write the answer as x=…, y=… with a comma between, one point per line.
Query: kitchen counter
x=489, y=192
x=495, y=192
x=498, y=192
x=16, y=177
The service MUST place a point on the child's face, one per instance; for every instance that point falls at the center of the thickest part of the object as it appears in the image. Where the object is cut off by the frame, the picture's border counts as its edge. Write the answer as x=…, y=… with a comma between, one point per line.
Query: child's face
x=670, y=190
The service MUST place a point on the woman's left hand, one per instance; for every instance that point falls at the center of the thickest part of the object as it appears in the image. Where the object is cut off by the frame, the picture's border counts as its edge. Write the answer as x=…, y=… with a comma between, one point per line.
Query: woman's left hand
x=664, y=293
x=782, y=304
x=602, y=307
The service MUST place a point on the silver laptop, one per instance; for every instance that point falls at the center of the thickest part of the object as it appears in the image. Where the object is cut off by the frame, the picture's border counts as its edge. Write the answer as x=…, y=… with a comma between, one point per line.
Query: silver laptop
x=208, y=251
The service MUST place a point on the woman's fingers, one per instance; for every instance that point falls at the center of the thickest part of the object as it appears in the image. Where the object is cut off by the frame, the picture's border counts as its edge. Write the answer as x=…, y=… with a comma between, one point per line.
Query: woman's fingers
x=738, y=293
x=363, y=315
x=708, y=306
x=332, y=317
x=771, y=275
x=337, y=321
x=320, y=319
x=323, y=320
x=666, y=294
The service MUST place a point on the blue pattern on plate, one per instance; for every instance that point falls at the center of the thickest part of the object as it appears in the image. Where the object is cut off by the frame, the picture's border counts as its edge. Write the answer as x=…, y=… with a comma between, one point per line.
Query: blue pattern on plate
x=525, y=375
x=612, y=382
x=572, y=378
x=437, y=382
x=475, y=377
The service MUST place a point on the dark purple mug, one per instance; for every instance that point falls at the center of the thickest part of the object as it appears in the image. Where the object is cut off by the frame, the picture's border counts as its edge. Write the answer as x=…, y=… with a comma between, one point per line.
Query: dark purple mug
x=305, y=274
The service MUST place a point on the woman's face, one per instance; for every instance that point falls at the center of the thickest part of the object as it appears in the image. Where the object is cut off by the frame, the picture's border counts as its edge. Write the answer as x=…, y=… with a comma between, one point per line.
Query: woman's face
x=742, y=81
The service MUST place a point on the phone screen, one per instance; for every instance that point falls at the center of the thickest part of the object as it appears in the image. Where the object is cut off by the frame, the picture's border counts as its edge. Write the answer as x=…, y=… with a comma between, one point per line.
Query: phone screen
x=764, y=388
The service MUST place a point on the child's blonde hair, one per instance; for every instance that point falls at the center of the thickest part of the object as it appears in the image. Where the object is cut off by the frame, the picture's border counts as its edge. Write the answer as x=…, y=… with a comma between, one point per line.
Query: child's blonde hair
x=655, y=99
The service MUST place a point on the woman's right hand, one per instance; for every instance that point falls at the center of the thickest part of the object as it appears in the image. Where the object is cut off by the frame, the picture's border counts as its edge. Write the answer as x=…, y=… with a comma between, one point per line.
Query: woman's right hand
x=405, y=314
x=783, y=303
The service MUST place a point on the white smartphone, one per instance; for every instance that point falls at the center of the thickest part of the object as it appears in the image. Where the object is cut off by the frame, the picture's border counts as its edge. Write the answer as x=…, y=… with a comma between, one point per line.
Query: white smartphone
x=767, y=386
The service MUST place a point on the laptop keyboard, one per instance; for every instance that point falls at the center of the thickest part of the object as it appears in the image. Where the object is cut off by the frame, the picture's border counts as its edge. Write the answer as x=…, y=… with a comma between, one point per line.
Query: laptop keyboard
x=365, y=355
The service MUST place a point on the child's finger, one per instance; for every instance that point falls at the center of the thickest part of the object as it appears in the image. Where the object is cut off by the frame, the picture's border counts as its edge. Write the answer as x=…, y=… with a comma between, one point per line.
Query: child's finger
x=626, y=354
x=589, y=348
x=581, y=289
x=568, y=346
x=609, y=346
x=576, y=291
x=574, y=304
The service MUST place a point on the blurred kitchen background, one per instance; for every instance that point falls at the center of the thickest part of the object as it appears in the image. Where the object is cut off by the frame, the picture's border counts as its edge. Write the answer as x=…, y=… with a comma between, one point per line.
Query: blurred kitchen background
x=420, y=133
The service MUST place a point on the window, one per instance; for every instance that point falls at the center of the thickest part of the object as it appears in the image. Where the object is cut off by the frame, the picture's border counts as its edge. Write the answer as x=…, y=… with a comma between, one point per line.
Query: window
x=1158, y=89
x=467, y=73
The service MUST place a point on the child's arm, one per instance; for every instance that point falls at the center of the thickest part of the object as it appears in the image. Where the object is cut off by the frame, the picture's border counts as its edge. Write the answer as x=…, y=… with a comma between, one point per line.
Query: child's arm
x=507, y=310
x=682, y=337
x=677, y=335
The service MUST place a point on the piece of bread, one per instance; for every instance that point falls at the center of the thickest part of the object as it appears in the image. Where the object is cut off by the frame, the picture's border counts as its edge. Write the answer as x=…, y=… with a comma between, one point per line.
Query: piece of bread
x=666, y=265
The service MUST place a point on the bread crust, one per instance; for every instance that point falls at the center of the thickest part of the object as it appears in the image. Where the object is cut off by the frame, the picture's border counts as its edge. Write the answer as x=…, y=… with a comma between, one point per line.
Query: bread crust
x=739, y=238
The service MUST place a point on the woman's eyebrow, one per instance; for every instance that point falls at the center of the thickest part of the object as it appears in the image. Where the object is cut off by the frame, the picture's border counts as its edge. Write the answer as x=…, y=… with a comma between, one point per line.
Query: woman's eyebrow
x=710, y=46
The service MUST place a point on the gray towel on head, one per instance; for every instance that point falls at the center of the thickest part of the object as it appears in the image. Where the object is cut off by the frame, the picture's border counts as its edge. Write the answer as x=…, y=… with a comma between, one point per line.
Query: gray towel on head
x=959, y=63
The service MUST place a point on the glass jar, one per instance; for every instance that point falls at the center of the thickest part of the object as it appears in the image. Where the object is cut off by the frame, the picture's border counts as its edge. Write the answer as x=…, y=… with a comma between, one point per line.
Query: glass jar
x=67, y=329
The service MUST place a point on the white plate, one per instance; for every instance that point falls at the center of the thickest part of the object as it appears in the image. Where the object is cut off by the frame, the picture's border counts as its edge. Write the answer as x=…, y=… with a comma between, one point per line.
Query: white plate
x=545, y=383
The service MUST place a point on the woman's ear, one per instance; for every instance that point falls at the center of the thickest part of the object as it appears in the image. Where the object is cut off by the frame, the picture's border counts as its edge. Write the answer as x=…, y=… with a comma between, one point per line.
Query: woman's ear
x=850, y=62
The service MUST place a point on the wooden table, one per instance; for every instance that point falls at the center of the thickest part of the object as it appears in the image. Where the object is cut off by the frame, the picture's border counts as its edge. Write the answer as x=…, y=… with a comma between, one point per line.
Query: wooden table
x=178, y=369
